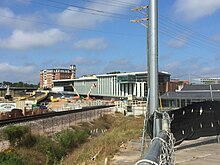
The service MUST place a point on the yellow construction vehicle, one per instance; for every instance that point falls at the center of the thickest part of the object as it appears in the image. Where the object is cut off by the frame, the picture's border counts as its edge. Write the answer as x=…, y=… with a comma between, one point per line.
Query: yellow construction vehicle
x=53, y=99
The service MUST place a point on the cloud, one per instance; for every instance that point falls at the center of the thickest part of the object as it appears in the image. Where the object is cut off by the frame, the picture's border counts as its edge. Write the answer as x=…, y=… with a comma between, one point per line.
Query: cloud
x=73, y=16
x=216, y=38
x=15, y=69
x=12, y=20
x=123, y=65
x=20, y=40
x=177, y=43
x=86, y=61
x=13, y=73
x=195, y=9
x=91, y=44
x=193, y=66
x=173, y=65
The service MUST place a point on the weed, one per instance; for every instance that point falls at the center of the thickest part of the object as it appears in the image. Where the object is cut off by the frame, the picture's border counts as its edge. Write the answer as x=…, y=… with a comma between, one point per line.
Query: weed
x=15, y=133
x=10, y=159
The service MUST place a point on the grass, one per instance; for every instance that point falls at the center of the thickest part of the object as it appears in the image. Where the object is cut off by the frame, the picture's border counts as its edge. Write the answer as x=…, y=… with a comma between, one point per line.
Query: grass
x=122, y=129
x=75, y=145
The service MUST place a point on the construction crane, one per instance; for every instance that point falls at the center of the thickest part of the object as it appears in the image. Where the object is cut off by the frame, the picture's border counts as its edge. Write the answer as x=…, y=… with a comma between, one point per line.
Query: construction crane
x=78, y=96
x=90, y=90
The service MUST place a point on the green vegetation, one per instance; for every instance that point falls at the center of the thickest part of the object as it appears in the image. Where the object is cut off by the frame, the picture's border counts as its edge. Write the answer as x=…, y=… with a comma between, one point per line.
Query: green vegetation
x=122, y=129
x=10, y=158
x=69, y=139
x=50, y=148
x=15, y=133
x=18, y=84
x=77, y=142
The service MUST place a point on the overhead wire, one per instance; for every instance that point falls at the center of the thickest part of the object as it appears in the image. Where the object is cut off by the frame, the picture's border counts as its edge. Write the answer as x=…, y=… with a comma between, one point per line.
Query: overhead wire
x=120, y=2
x=165, y=25
x=180, y=30
x=195, y=42
x=190, y=44
x=199, y=37
x=86, y=8
x=97, y=13
x=183, y=37
x=72, y=27
x=204, y=37
x=109, y=3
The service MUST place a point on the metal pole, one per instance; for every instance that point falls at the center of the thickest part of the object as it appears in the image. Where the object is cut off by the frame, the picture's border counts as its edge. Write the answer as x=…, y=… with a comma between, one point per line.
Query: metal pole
x=153, y=56
x=211, y=92
x=148, y=60
x=153, y=61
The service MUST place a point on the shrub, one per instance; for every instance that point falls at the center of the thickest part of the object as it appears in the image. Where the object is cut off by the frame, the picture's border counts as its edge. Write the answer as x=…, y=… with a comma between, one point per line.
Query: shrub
x=28, y=140
x=71, y=138
x=50, y=148
x=67, y=139
x=10, y=159
x=31, y=157
x=15, y=133
x=82, y=135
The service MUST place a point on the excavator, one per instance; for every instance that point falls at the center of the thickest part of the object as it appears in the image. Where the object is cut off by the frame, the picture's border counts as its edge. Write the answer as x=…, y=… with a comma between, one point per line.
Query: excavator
x=78, y=96
x=88, y=94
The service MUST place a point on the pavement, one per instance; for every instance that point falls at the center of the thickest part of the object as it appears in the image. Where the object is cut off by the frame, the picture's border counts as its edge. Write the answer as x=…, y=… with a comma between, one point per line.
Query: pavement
x=128, y=154
x=201, y=151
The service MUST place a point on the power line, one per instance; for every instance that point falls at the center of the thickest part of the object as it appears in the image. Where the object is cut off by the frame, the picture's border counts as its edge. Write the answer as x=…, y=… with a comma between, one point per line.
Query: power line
x=171, y=25
x=194, y=40
x=177, y=25
x=86, y=8
x=122, y=2
x=181, y=29
x=165, y=24
x=108, y=3
x=97, y=13
x=191, y=43
x=72, y=27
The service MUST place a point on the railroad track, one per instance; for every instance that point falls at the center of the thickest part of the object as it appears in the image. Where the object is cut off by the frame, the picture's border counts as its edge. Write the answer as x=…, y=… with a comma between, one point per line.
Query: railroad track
x=50, y=114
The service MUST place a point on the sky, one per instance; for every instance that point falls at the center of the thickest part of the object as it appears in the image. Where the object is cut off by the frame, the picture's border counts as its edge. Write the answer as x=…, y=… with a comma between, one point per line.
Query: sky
x=98, y=37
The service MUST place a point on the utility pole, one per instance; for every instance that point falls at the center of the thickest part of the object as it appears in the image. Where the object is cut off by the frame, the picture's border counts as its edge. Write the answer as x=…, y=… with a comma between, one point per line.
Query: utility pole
x=146, y=25
x=152, y=40
x=140, y=21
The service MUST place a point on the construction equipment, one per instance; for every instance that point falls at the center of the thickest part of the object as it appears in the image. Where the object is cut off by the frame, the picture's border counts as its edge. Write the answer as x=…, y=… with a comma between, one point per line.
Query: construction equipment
x=90, y=90
x=78, y=96
x=53, y=99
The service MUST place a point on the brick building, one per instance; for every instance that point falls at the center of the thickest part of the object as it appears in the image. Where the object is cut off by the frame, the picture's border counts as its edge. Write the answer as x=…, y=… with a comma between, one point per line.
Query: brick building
x=47, y=75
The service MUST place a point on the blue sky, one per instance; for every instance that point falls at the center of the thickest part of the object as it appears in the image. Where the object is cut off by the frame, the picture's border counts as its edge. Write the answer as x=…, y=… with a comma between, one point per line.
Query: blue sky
x=98, y=37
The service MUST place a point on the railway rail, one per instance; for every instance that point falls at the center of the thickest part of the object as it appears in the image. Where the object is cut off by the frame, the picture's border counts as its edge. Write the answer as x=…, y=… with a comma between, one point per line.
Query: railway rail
x=50, y=114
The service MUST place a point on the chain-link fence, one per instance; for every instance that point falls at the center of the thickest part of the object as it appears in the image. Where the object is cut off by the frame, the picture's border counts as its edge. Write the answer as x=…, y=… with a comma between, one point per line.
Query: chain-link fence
x=161, y=150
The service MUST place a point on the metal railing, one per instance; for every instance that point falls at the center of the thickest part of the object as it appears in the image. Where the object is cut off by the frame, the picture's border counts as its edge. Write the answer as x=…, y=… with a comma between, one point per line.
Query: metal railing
x=161, y=150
